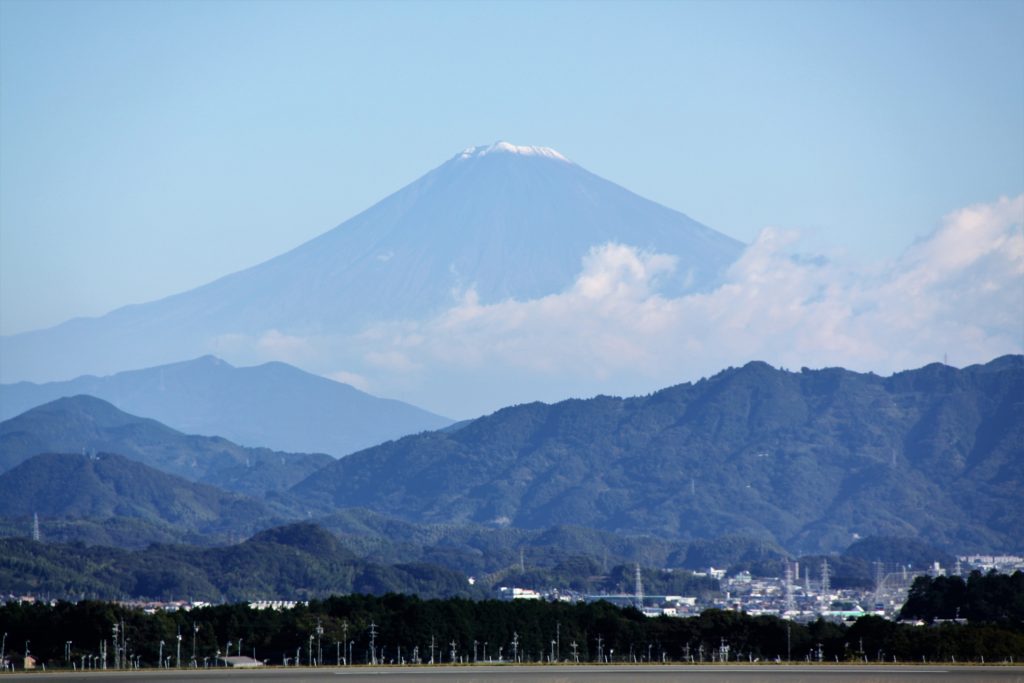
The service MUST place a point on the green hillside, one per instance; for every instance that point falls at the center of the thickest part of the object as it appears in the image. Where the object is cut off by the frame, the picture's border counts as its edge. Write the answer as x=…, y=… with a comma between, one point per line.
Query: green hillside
x=808, y=459
x=87, y=424
x=107, y=486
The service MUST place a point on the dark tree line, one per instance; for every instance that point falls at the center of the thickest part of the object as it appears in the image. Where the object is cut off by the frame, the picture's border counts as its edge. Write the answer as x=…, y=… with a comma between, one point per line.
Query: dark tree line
x=402, y=628
x=991, y=598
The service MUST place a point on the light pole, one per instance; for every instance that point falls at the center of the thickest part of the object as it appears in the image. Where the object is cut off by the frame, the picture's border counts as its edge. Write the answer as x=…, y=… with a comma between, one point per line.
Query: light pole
x=161, y=653
x=3, y=647
x=195, y=632
x=319, y=650
x=309, y=662
x=177, y=661
x=337, y=653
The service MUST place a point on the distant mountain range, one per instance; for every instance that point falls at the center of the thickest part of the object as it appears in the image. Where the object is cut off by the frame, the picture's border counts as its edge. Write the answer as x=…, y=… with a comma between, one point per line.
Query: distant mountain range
x=273, y=405
x=85, y=424
x=730, y=470
x=502, y=220
x=809, y=459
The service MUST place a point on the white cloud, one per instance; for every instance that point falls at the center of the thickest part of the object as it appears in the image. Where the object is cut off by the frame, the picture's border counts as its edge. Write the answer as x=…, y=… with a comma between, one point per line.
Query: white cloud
x=960, y=291
x=351, y=378
x=280, y=344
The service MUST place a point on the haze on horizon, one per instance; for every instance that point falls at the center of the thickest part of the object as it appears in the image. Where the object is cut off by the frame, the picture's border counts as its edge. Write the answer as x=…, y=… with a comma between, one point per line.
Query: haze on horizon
x=869, y=155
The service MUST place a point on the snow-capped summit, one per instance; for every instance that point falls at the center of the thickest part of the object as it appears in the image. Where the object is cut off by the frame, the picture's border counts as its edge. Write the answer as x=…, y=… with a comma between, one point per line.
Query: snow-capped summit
x=498, y=222
x=502, y=147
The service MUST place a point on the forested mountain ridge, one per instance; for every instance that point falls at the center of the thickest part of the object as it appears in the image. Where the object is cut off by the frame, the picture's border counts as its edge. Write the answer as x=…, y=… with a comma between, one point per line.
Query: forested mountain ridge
x=106, y=486
x=287, y=563
x=86, y=423
x=808, y=459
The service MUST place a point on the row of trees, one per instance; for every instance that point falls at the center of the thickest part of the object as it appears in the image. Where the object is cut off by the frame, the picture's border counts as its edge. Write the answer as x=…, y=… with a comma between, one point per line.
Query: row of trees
x=359, y=629
x=991, y=598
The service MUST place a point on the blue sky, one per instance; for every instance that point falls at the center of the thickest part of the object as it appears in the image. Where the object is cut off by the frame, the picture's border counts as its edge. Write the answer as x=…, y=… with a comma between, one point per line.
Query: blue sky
x=148, y=147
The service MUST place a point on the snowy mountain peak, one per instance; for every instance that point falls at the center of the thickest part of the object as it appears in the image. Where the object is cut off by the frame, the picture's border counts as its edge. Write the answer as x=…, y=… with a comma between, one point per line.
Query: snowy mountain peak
x=503, y=147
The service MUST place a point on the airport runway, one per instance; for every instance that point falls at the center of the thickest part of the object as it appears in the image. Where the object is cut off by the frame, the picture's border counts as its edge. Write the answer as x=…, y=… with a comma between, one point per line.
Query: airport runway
x=765, y=673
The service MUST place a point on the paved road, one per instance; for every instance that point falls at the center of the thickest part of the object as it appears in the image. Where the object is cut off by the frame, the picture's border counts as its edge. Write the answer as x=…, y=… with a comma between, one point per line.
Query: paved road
x=564, y=674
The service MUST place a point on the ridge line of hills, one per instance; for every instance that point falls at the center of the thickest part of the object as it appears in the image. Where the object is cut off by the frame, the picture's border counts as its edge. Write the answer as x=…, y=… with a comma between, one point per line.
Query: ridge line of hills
x=273, y=405
x=806, y=460
x=85, y=423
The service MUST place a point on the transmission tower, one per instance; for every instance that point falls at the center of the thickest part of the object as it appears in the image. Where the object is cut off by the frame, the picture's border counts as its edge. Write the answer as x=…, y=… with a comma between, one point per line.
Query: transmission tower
x=35, y=526
x=790, y=602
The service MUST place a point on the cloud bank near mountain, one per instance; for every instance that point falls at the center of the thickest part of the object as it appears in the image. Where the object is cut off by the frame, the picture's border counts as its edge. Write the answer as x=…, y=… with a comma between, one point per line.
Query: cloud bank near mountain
x=960, y=291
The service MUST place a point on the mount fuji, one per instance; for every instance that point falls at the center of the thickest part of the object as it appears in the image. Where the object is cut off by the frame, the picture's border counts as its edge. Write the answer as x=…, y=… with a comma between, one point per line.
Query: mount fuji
x=493, y=223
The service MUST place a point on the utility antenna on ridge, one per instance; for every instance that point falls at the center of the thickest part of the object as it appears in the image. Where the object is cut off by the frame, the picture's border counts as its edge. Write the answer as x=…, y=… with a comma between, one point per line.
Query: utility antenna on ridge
x=638, y=598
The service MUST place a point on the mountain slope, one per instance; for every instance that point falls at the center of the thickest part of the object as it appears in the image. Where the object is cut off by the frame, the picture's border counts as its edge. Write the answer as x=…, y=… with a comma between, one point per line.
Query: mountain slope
x=103, y=486
x=86, y=423
x=807, y=459
x=273, y=405
x=503, y=220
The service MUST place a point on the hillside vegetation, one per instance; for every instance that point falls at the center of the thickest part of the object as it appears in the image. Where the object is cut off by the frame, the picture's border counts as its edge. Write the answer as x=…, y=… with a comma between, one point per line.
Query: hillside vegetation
x=85, y=423
x=808, y=459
